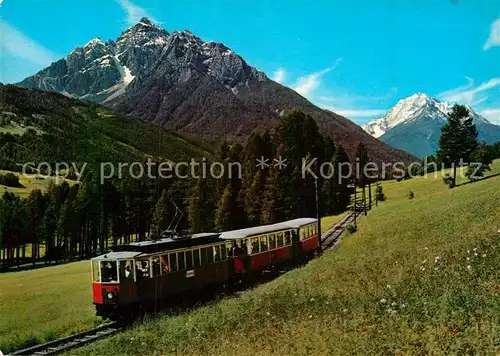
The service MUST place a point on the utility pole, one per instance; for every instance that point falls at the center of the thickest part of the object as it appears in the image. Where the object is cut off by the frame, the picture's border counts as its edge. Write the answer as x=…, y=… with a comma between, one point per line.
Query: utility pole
x=370, y=195
x=355, y=203
x=318, y=217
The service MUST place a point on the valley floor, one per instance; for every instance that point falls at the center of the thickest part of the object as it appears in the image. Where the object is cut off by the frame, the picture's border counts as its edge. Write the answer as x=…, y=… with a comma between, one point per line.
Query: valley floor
x=419, y=277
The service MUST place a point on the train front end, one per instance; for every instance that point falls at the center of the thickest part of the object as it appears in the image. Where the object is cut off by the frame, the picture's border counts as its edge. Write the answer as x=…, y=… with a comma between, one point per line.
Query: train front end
x=113, y=284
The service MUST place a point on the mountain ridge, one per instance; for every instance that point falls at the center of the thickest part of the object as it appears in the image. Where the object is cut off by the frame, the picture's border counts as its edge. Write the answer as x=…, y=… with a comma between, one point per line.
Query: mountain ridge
x=414, y=125
x=184, y=84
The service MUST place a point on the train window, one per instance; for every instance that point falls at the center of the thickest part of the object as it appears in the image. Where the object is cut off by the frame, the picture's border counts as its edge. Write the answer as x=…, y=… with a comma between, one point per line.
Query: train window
x=217, y=253
x=96, y=272
x=173, y=262
x=142, y=268
x=315, y=228
x=164, y=264
x=196, y=258
x=189, y=259
x=203, y=256
x=302, y=234
x=181, y=260
x=288, y=238
x=127, y=270
x=255, y=245
x=280, y=239
x=272, y=241
x=156, y=266
x=223, y=252
x=109, y=273
x=263, y=243
x=210, y=255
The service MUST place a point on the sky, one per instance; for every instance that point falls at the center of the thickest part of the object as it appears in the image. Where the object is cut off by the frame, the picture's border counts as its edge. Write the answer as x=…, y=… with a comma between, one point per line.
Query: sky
x=355, y=57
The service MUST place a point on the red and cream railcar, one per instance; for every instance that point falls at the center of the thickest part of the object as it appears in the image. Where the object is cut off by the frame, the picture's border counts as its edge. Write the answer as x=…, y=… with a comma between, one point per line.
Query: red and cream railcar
x=257, y=248
x=149, y=273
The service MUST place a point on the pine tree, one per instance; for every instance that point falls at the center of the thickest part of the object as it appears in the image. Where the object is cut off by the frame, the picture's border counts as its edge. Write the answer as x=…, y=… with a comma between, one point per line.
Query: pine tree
x=272, y=206
x=458, y=139
x=223, y=212
x=340, y=180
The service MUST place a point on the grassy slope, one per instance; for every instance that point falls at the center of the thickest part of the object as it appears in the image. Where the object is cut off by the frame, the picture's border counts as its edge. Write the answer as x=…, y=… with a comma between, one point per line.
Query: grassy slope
x=44, y=304
x=342, y=303
x=55, y=301
x=30, y=183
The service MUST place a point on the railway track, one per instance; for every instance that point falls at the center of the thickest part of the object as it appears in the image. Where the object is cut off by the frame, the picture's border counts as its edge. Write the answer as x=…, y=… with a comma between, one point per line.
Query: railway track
x=332, y=236
x=67, y=343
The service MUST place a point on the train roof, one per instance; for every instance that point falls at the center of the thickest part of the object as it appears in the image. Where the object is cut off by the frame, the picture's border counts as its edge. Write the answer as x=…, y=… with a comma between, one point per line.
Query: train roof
x=265, y=229
x=168, y=244
x=113, y=256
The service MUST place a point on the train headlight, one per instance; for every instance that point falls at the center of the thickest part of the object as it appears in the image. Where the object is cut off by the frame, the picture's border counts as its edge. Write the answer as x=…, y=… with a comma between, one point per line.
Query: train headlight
x=110, y=295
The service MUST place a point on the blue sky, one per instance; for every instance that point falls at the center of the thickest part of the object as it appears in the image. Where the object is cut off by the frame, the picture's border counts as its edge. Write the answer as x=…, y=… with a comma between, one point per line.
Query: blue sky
x=357, y=58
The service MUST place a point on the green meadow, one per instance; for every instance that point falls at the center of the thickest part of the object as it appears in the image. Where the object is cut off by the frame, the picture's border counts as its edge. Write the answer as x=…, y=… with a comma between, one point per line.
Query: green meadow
x=45, y=304
x=31, y=182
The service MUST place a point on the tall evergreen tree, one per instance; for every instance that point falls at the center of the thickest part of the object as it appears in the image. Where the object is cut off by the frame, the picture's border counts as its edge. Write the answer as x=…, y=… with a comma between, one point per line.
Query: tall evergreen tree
x=458, y=139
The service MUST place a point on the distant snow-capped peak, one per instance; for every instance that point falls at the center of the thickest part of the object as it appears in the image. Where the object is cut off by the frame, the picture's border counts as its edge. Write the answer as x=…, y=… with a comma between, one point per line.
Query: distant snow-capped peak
x=414, y=108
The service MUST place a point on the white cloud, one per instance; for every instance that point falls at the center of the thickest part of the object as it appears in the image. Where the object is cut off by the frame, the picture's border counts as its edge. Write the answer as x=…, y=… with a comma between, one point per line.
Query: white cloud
x=279, y=75
x=494, y=39
x=353, y=98
x=306, y=84
x=15, y=43
x=470, y=94
x=493, y=115
x=134, y=12
x=1, y=2
x=352, y=113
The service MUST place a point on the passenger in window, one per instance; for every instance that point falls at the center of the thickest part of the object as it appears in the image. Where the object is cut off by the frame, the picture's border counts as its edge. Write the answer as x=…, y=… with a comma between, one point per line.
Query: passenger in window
x=128, y=272
x=243, y=248
x=164, y=263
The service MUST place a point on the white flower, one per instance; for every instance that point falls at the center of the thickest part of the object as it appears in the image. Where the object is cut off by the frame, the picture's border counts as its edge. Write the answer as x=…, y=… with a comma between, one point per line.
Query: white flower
x=383, y=301
x=484, y=255
x=474, y=249
x=327, y=303
x=345, y=310
x=435, y=268
x=436, y=260
x=403, y=305
x=268, y=313
x=468, y=258
x=475, y=254
x=426, y=248
x=310, y=316
x=469, y=267
x=468, y=251
x=312, y=299
x=394, y=304
x=388, y=286
x=424, y=262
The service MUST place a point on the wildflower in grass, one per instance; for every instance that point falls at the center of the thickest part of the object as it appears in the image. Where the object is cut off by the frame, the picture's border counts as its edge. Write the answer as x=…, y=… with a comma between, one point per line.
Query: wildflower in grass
x=475, y=254
x=403, y=306
x=267, y=313
x=310, y=316
x=436, y=260
x=383, y=301
x=394, y=304
x=469, y=267
x=345, y=310
x=474, y=249
x=388, y=286
x=468, y=258
x=312, y=299
x=484, y=255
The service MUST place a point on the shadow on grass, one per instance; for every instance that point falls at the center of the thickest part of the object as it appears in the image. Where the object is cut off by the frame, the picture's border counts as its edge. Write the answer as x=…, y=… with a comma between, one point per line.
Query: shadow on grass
x=479, y=180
